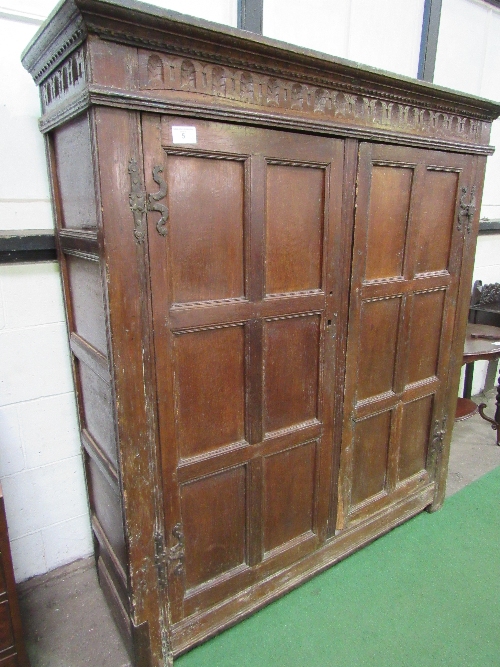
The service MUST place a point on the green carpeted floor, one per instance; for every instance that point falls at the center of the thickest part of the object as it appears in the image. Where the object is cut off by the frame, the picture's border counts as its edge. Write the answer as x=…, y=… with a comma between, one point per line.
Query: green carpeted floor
x=427, y=594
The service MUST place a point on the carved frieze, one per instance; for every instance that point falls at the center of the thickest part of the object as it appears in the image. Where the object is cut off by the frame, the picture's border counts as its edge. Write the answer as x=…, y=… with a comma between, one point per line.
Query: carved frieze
x=159, y=71
x=69, y=78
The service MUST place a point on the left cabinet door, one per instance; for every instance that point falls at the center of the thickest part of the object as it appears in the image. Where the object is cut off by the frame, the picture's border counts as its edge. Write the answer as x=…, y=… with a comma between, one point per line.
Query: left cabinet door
x=244, y=296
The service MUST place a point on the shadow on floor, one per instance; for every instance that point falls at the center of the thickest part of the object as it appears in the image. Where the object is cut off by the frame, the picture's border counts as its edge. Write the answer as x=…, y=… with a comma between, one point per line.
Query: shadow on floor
x=66, y=620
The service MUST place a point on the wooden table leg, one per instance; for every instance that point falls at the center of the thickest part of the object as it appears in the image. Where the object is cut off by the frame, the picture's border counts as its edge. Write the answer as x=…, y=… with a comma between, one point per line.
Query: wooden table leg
x=495, y=423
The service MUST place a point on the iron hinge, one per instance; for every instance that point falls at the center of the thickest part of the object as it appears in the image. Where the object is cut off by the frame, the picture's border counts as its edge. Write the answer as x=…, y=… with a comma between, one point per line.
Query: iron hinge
x=467, y=210
x=167, y=557
x=140, y=202
x=438, y=436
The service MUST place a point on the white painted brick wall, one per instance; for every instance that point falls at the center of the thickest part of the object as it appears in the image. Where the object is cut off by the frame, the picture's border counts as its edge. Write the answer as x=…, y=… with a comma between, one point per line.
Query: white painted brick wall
x=40, y=461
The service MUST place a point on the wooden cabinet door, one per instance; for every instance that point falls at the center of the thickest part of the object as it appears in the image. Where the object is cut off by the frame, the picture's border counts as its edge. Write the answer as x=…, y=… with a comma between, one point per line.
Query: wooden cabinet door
x=407, y=255
x=243, y=296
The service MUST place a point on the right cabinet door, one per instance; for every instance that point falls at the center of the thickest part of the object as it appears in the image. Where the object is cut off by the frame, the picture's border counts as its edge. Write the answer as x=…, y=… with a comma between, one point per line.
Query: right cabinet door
x=407, y=254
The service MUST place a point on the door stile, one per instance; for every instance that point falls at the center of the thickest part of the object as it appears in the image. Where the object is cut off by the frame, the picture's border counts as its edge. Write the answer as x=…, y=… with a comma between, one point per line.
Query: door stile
x=340, y=281
x=473, y=177
x=159, y=251
x=361, y=202
x=331, y=330
x=254, y=371
x=456, y=319
x=256, y=174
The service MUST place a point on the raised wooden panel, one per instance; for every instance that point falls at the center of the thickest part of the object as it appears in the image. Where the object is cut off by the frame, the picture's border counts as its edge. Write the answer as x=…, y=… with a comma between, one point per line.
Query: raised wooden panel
x=390, y=193
x=436, y=220
x=288, y=483
x=97, y=405
x=425, y=334
x=105, y=504
x=87, y=301
x=294, y=227
x=291, y=371
x=11, y=661
x=206, y=227
x=6, y=634
x=75, y=175
x=371, y=447
x=210, y=388
x=417, y=422
x=377, y=352
x=214, y=521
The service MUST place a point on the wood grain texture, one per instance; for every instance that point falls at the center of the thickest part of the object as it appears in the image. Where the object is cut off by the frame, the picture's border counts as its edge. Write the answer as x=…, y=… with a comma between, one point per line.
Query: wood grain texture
x=294, y=230
x=206, y=228
x=210, y=389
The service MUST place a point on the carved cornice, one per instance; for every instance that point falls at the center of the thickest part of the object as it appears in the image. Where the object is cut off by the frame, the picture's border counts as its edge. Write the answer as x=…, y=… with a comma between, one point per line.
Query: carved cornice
x=143, y=26
x=66, y=47
x=351, y=85
x=96, y=95
x=359, y=106
x=61, y=34
x=67, y=80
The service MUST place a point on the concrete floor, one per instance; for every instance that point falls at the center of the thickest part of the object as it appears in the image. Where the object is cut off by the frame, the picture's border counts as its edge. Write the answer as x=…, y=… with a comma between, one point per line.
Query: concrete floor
x=66, y=620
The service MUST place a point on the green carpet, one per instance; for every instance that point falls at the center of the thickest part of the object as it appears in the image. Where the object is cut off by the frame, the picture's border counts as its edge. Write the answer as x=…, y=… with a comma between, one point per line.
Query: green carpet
x=426, y=594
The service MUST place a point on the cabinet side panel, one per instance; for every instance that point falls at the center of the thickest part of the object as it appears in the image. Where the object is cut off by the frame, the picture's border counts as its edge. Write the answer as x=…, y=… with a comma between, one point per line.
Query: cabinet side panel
x=80, y=252
x=75, y=176
x=87, y=301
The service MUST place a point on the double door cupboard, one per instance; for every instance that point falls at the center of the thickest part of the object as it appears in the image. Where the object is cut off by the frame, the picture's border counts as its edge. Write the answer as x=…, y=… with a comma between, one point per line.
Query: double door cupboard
x=266, y=256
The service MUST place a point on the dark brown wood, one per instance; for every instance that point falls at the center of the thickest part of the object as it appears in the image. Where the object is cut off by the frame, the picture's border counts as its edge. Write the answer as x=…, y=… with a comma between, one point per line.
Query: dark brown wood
x=12, y=650
x=264, y=315
x=465, y=409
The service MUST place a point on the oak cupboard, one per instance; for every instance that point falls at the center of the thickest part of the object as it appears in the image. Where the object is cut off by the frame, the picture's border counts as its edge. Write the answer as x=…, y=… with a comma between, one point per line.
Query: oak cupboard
x=266, y=256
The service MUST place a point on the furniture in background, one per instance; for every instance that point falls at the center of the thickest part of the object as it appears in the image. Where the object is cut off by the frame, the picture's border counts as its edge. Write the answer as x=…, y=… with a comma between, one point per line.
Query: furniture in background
x=266, y=256
x=484, y=309
x=482, y=342
x=485, y=304
x=12, y=651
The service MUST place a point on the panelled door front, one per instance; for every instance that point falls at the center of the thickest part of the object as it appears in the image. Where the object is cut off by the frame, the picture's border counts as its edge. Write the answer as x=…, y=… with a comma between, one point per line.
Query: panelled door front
x=244, y=295
x=408, y=240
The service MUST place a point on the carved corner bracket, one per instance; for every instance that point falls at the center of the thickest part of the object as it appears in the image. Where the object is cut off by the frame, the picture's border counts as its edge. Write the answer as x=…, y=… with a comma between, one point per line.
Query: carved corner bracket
x=140, y=202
